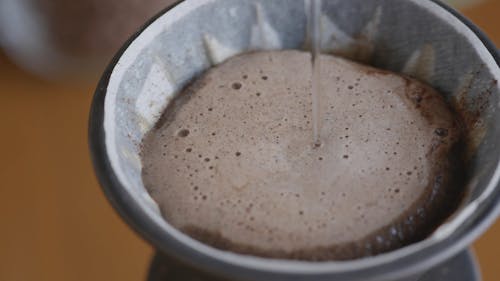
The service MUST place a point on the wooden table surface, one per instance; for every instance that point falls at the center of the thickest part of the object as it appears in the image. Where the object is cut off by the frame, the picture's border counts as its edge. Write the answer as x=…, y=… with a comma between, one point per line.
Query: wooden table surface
x=56, y=223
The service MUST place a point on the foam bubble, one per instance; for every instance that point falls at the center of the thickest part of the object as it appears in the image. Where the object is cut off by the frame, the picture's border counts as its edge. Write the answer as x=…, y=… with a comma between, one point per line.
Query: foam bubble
x=183, y=133
x=236, y=85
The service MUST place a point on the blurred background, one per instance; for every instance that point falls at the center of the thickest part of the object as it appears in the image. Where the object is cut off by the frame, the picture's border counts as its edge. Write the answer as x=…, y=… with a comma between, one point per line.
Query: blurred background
x=56, y=222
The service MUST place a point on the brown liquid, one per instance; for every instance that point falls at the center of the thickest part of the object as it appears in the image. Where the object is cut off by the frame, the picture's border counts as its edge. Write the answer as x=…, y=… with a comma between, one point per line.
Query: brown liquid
x=231, y=162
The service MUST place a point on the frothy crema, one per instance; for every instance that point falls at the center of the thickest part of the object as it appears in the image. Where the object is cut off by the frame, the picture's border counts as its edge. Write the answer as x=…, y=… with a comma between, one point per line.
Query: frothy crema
x=232, y=163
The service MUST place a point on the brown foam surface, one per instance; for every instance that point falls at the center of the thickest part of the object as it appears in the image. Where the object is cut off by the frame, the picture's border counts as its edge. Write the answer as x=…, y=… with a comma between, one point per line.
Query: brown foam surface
x=231, y=162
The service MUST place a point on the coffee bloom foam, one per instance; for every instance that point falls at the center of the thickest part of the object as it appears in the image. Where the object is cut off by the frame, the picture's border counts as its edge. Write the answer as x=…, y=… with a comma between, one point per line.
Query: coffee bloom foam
x=231, y=162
